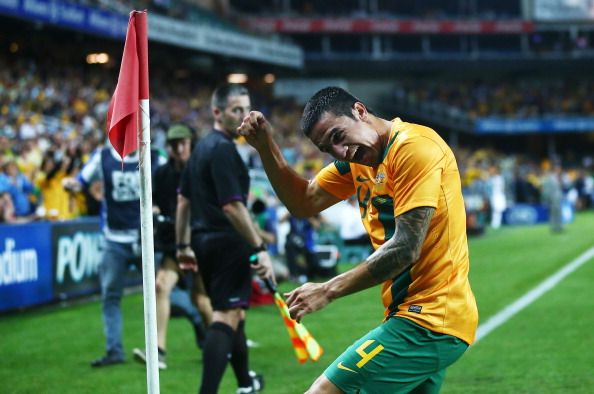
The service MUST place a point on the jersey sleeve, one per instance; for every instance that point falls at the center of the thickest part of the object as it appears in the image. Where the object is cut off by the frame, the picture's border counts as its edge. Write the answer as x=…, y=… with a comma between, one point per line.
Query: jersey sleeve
x=336, y=178
x=416, y=167
x=224, y=169
x=91, y=171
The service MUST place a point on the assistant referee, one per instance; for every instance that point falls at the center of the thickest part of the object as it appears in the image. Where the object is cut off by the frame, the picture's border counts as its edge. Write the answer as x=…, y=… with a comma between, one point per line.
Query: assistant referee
x=214, y=190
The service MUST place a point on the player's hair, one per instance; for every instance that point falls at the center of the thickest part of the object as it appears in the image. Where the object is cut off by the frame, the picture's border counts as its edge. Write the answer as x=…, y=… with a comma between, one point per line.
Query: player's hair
x=332, y=99
x=222, y=93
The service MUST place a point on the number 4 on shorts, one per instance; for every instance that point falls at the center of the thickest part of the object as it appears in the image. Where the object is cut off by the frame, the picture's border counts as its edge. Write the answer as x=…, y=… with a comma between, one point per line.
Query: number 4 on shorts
x=365, y=357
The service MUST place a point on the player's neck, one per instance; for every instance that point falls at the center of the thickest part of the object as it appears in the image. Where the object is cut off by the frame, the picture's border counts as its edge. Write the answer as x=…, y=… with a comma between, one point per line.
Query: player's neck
x=383, y=128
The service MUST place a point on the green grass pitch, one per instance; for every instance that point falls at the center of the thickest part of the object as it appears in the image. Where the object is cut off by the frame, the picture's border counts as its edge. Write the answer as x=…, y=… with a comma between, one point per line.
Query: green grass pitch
x=546, y=348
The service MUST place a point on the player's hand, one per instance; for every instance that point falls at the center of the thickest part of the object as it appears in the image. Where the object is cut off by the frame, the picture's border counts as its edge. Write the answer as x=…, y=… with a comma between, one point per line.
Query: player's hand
x=186, y=259
x=306, y=299
x=263, y=266
x=256, y=130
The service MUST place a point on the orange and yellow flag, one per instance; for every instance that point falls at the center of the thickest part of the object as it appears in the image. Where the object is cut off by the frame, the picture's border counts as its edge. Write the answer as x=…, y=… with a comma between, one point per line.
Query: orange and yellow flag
x=305, y=346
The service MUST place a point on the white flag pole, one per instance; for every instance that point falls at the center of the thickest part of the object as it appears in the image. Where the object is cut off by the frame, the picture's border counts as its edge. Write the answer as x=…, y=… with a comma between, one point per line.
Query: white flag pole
x=148, y=257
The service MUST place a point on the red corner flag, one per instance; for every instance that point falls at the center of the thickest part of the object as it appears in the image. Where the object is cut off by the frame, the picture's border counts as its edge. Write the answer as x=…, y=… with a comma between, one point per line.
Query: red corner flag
x=122, y=116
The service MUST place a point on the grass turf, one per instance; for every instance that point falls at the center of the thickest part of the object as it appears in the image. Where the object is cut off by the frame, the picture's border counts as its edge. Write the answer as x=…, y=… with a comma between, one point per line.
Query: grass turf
x=544, y=349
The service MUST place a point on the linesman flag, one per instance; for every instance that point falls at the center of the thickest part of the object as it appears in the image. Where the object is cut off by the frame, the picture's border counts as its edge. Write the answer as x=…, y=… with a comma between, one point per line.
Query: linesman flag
x=133, y=86
x=305, y=346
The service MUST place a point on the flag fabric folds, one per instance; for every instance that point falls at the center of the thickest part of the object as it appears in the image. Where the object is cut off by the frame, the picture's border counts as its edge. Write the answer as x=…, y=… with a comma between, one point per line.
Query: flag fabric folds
x=132, y=86
x=305, y=346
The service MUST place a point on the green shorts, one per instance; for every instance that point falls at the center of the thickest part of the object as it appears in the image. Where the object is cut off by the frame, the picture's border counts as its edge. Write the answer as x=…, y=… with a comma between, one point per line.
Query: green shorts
x=399, y=356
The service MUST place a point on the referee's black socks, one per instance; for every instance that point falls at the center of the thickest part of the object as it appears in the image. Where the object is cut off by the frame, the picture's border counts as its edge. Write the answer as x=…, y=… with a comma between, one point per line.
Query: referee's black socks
x=215, y=354
x=239, y=357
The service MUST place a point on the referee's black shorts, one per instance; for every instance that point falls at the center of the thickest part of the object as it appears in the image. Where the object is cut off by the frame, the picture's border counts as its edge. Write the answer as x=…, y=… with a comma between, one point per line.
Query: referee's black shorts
x=223, y=260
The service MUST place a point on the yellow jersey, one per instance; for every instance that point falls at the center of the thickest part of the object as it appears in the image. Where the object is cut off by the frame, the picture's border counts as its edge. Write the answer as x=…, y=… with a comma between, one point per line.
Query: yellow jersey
x=418, y=169
x=59, y=204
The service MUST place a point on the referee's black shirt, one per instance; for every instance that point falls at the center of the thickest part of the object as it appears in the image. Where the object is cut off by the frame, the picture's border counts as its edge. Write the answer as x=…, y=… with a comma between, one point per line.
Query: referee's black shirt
x=214, y=176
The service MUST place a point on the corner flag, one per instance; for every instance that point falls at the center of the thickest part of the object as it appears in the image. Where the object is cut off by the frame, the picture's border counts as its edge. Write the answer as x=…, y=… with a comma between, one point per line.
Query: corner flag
x=133, y=86
x=129, y=109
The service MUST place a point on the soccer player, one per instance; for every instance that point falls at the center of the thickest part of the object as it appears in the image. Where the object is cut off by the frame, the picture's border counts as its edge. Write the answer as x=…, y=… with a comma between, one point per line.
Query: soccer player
x=213, y=196
x=408, y=186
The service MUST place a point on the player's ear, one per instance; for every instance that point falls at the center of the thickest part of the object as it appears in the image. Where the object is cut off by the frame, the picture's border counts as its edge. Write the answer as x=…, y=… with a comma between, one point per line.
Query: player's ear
x=360, y=111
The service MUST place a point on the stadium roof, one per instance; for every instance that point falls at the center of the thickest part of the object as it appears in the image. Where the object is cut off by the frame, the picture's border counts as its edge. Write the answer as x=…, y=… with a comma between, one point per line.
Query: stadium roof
x=212, y=38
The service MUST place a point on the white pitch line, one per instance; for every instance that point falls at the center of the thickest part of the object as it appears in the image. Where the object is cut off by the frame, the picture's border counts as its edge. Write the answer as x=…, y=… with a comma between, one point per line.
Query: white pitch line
x=508, y=312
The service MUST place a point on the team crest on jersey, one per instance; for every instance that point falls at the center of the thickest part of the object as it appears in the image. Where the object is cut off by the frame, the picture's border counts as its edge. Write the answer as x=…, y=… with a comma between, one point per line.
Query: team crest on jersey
x=380, y=178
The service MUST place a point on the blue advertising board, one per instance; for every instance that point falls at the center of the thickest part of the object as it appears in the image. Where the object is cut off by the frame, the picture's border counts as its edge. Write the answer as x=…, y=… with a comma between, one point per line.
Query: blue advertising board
x=499, y=125
x=528, y=214
x=67, y=15
x=76, y=251
x=25, y=265
x=42, y=262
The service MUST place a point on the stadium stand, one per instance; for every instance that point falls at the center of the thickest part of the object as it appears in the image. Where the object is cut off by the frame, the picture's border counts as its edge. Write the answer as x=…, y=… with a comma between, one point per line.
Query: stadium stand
x=53, y=103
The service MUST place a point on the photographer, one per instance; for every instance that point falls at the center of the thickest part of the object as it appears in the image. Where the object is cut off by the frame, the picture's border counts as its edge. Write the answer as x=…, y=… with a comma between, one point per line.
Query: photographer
x=165, y=187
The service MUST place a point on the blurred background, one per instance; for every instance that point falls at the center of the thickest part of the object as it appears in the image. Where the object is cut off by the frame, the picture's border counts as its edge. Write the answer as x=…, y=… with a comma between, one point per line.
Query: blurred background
x=508, y=84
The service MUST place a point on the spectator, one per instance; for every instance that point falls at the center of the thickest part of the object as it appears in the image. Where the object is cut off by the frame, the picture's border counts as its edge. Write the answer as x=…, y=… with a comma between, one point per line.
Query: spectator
x=584, y=186
x=121, y=224
x=497, y=198
x=19, y=187
x=265, y=221
x=6, y=207
x=56, y=202
x=302, y=259
x=553, y=197
x=525, y=191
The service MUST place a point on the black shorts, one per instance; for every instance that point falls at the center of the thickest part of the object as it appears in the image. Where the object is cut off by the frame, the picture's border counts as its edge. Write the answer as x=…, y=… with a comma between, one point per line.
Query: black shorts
x=164, y=239
x=223, y=260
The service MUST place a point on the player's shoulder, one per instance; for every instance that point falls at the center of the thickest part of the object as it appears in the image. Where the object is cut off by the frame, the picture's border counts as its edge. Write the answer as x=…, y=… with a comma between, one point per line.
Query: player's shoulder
x=413, y=135
x=405, y=131
x=409, y=140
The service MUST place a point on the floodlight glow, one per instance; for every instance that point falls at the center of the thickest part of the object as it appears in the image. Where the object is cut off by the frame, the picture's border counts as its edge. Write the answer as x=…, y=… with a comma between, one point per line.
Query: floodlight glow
x=269, y=78
x=97, y=58
x=237, y=78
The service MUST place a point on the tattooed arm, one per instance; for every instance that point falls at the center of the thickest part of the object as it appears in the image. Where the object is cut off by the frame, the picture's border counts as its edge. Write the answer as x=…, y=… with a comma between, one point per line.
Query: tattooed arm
x=388, y=261
x=404, y=248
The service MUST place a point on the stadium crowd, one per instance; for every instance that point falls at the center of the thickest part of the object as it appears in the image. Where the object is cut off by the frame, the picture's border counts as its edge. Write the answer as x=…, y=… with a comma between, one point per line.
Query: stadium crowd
x=509, y=98
x=524, y=177
x=53, y=119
